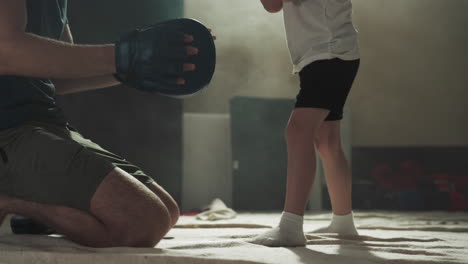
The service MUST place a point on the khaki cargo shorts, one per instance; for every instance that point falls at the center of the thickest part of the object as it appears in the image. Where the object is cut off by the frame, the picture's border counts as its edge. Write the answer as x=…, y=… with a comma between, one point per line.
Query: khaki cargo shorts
x=54, y=164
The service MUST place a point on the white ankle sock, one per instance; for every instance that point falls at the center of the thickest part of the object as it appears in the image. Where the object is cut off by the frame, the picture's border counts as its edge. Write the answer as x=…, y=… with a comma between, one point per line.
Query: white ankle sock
x=340, y=224
x=343, y=224
x=289, y=233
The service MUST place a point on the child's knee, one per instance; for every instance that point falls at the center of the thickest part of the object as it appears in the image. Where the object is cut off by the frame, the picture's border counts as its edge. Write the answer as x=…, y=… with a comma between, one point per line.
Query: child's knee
x=299, y=131
x=328, y=146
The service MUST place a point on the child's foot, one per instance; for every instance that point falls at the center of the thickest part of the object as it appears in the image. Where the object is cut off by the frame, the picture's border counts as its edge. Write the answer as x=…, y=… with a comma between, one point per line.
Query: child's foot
x=289, y=233
x=341, y=225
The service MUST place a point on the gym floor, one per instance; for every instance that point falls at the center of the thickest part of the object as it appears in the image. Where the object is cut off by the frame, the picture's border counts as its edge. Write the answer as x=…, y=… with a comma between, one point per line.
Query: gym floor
x=385, y=237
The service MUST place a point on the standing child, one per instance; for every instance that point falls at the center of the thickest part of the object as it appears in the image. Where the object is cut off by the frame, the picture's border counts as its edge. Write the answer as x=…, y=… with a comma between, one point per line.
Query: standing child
x=324, y=49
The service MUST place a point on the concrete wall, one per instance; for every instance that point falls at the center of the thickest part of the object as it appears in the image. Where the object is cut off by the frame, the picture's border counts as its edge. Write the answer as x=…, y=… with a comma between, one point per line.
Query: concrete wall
x=207, y=169
x=411, y=89
x=103, y=21
x=252, y=56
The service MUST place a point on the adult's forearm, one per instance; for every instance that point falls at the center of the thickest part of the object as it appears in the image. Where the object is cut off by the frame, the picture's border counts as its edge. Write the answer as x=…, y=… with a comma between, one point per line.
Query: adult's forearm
x=24, y=54
x=68, y=86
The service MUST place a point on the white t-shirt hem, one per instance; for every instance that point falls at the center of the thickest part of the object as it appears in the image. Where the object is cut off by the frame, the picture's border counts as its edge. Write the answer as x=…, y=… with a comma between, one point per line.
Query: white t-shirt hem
x=325, y=56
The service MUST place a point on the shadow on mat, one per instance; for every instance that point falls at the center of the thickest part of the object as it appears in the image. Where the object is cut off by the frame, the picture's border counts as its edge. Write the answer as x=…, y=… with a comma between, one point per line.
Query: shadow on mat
x=365, y=249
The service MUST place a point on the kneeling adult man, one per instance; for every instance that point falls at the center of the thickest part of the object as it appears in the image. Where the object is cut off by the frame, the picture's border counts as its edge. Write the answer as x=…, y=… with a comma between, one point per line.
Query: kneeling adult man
x=48, y=171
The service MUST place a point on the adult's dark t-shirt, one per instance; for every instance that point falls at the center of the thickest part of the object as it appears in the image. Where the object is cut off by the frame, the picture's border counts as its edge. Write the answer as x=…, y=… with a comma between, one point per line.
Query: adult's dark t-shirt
x=25, y=99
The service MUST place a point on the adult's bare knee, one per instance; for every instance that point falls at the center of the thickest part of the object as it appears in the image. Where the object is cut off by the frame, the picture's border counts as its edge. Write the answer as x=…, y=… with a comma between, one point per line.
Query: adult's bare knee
x=168, y=201
x=174, y=211
x=145, y=231
x=133, y=215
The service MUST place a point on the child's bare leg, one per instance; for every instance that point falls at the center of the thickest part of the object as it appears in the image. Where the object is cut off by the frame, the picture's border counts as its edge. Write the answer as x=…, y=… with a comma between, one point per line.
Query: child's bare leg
x=337, y=170
x=300, y=134
x=338, y=175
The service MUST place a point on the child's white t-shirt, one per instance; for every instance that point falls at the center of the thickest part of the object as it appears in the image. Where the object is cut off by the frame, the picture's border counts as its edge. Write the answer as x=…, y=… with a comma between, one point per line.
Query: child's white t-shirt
x=319, y=30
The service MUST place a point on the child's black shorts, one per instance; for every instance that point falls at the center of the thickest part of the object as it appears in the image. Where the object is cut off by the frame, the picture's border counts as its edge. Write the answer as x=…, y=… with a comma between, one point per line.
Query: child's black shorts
x=326, y=84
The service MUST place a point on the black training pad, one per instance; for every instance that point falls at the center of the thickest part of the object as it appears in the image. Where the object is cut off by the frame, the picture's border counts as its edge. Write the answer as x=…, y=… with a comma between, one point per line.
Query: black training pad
x=205, y=60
